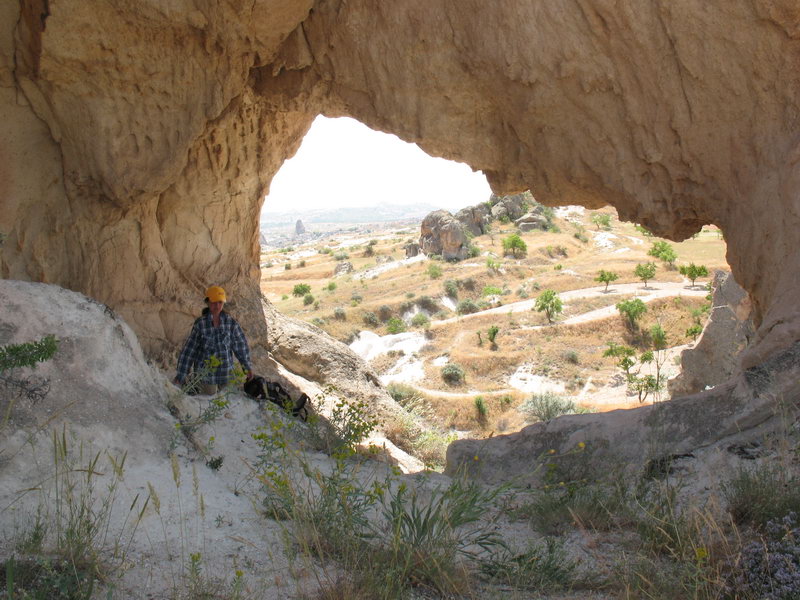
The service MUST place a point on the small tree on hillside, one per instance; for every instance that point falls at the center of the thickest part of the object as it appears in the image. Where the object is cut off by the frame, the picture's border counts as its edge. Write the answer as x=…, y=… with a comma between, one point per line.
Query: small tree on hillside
x=549, y=303
x=632, y=309
x=693, y=271
x=663, y=251
x=601, y=220
x=606, y=277
x=515, y=245
x=645, y=272
x=301, y=289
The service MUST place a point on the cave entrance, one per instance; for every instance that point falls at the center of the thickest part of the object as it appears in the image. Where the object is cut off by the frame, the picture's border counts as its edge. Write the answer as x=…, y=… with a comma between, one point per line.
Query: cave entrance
x=463, y=340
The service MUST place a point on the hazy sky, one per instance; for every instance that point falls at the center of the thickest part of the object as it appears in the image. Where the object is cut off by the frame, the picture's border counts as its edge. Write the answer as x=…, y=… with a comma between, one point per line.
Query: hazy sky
x=342, y=162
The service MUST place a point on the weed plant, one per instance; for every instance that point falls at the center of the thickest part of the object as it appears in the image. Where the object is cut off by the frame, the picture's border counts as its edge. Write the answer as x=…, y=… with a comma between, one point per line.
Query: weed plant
x=546, y=406
x=761, y=494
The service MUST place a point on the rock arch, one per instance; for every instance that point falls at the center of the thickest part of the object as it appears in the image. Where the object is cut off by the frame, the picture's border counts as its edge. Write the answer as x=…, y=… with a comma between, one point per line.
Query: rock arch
x=138, y=140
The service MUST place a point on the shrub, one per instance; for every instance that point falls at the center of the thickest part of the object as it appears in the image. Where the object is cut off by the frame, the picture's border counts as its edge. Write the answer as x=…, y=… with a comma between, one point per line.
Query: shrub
x=302, y=263
x=341, y=255
x=468, y=283
x=601, y=220
x=356, y=298
x=450, y=288
x=571, y=357
x=481, y=408
x=287, y=267
x=402, y=394
x=331, y=286
x=384, y=312
x=301, y=289
x=663, y=251
x=491, y=290
x=434, y=271
x=541, y=567
x=632, y=309
x=514, y=245
x=467, y=306
x=492, y=333
x=370, y=319
x=339, y=314
x=474, y=251
x=285, y=297
x=395, y=325
x=308, y=299
x=694, y=331
x=453, y=374
x=420, y=320
x=762, y=494
x=546, y=406
x=427, y=303
x=492, y=264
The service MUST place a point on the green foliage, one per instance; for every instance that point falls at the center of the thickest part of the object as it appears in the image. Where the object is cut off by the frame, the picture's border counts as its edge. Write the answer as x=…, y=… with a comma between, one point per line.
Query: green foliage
x=287, y=266
x=546, y=406
x=694, y=331
x=434, y=271
x=693, y=271
x=481, y=408
x=658, y=337
x=514, y=245
x=467, y=306
x=301, y=289
x=632, y=309
x=761, y=493
x=385, y=312
x=302, y=263
x=308, y=299
x=663, y=251
x=542, y=567
x=492, y=264
x=370, y=319
x=645, y=272
x=474, y=251
x=427, y=303
x=341, y=255
x=356, y=298
x=284, y=297
x=491, y=290
x=453, y=374
x=326, y=250
x=549, y=303
x=624, y=355
x=402, y=393
x=601, y=220
x=27, y=354
x=571, y=357
x=331, y=286
x=450, y=287
x=339, y=314
x=492, y=333
x=395, y=325
x=420, y=320
x=606, y=277
x=643, y=230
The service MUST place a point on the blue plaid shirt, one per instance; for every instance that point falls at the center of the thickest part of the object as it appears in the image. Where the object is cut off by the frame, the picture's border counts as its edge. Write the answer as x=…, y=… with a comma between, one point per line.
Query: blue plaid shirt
x=206, y=341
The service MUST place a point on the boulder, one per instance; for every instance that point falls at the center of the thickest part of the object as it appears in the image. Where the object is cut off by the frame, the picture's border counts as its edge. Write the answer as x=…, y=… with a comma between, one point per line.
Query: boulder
x=442, y=234
x=412, y=249
x=343, y=268
x=531, y=221
x=509, y=207
x=475, y=218
x=715, y=358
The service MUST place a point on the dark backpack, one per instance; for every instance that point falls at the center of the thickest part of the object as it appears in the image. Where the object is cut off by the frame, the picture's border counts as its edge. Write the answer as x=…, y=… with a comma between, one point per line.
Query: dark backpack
x=261, y=389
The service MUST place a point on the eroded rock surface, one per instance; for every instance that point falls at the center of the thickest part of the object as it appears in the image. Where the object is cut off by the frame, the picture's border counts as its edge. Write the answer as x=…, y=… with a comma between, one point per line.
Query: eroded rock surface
x=134, y=157
x=715, y=357
x=443, y=235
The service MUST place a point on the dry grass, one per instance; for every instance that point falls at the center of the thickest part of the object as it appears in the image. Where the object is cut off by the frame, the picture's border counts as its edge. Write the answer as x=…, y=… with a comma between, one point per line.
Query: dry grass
x=571, y=354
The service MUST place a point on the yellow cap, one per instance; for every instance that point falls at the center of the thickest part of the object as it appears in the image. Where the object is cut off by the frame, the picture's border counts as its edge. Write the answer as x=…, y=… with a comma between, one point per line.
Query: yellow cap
x=216, y=294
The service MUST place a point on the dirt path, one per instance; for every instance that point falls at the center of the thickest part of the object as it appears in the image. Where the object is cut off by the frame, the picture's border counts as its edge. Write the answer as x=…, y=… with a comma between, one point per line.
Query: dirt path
x=652, y=292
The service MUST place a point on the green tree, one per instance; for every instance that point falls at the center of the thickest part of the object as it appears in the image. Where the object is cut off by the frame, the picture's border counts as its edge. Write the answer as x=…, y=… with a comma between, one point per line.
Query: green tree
x=624, y=356
x=549, y=303
x=301, y=289
x=434, y=271
x=663, y=251
x=601, y=220
x=632, y=309
x=492, y=333
x=643, y=230
x=645, y=272
x=308, y=299
x=396, y=325
x=693, y=271
x=694, y=331
x=606, y=277
x=515, y=245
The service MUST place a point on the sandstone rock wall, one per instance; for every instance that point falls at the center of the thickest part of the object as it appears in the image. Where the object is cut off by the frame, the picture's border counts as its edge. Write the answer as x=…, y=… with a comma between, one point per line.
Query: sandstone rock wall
x=135, y=155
